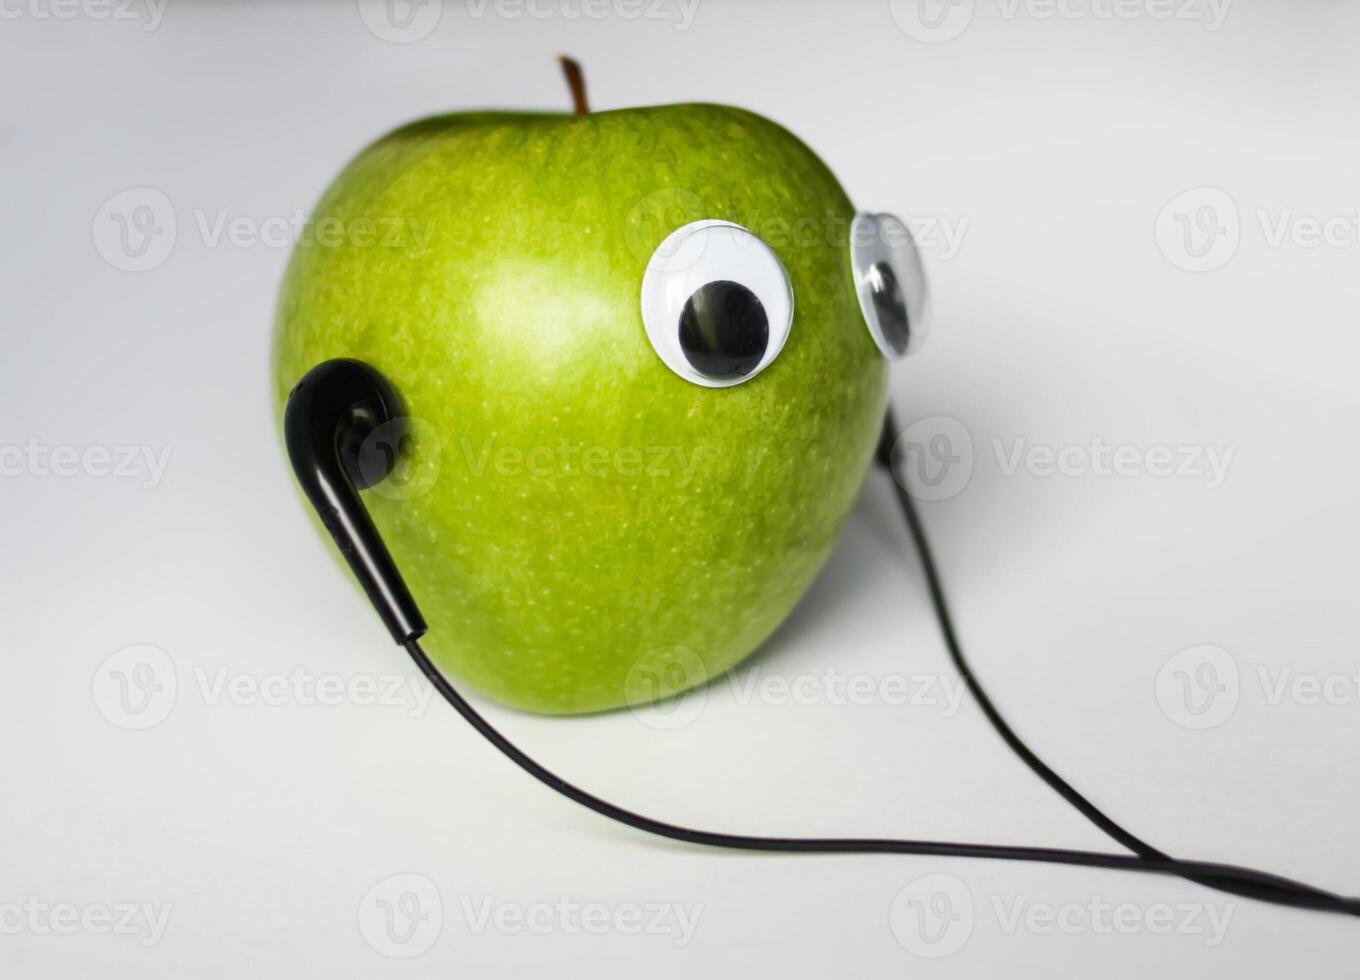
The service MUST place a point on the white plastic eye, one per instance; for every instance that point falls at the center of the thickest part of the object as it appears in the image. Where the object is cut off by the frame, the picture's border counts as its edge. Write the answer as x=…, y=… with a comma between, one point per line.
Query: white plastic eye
x=890, y=282
x=717, y=303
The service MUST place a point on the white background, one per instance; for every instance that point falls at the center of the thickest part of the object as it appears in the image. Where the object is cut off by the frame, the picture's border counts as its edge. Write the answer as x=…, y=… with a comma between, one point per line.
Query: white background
x=1055, y=142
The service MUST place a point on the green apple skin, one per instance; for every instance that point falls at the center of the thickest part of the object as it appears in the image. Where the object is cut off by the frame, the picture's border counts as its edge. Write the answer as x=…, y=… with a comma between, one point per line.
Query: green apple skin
x=490, y=265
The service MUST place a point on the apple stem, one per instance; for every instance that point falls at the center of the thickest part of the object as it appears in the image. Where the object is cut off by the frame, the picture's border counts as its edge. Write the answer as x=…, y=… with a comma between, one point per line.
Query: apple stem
x=576, y=81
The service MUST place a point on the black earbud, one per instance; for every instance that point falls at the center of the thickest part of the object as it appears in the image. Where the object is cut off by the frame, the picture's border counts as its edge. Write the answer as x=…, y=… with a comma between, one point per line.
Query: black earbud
x=343, y=427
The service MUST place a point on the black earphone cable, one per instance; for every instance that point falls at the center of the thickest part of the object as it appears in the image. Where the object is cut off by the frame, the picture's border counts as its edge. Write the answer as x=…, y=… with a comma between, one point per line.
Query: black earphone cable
x=945, y=620
x=1234, y=879
x=1289, y=892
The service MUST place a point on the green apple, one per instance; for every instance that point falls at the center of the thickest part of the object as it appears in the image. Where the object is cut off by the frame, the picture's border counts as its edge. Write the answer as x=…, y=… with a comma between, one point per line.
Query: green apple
x=582, y=525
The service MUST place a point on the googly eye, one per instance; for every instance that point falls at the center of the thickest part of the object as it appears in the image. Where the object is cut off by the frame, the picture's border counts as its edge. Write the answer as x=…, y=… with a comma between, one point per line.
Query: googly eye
x=716, y=303
x=891, y=283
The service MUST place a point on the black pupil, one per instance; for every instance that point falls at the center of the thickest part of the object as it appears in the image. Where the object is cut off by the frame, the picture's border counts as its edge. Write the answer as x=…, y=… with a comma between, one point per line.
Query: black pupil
x=889, y=306
x=724, y=330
